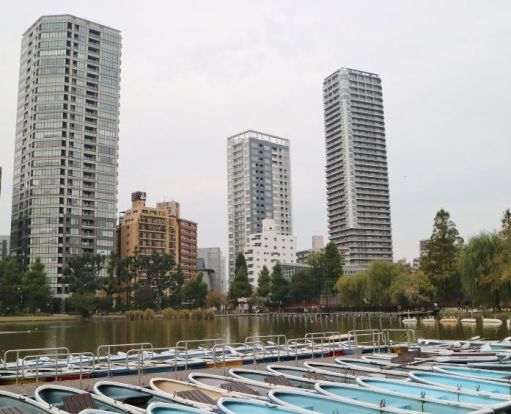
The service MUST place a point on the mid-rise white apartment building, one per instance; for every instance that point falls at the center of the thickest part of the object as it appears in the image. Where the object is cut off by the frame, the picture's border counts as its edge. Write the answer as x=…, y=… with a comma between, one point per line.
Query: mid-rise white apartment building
x=268, y=248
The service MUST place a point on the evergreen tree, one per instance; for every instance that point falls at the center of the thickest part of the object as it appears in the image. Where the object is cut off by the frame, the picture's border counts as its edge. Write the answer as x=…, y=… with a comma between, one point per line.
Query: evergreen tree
x=157, y=270
x=196, y=291
x=264, y=283
x=279, y=285
x=439, y=263
x=303, y=287
x=240, y=286
x=10, y=285
x=176, y=291
x=83, y=273
x=331, y=267
x=503, y=258
x=35, y=289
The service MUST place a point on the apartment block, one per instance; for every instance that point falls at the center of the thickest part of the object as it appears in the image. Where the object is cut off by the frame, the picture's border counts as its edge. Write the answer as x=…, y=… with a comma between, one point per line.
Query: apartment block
x=64, y=200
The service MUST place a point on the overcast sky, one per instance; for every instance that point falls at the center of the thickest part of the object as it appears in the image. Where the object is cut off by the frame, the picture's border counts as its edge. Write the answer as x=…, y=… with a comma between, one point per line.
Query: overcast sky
x=196, y=72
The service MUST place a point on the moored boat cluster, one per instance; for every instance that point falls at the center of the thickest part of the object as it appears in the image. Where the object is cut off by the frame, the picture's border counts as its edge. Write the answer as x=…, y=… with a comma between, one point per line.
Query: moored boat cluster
x=427, y=376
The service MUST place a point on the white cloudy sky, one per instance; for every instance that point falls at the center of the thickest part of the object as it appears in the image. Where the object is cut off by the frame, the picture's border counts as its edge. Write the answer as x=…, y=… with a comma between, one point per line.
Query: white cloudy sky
x=195, y=72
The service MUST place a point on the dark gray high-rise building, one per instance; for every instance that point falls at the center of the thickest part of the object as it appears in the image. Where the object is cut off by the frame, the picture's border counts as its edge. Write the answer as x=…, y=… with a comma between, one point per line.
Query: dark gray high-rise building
x=66, y=152
x=356, y=168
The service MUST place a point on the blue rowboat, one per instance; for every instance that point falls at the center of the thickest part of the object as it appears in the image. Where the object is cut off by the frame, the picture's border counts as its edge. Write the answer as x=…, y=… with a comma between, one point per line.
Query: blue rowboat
x=131, y=395
x=328, y=405
x=238, y=406
x=496, y=402
x=397, y=400
x=25, y=404
x=271, y=379
x=54, y=395
x=462, y=383
x=300, y=373
x=486, y=374
x=163, y=408
x=353, y=372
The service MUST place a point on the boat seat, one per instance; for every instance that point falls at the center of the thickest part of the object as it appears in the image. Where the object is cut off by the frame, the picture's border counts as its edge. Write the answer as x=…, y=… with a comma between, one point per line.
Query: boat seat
x=73, y=404
x=10, y=410
x=278, y=380
x=315, y=376
x=196, y=395
x=238, y=387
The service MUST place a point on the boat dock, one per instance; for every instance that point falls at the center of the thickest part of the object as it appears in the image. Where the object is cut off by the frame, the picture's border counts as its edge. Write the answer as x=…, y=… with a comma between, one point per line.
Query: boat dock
x=87, y=384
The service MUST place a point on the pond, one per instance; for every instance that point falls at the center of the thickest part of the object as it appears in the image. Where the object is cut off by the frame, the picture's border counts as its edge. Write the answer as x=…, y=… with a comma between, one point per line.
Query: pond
x=82, y=336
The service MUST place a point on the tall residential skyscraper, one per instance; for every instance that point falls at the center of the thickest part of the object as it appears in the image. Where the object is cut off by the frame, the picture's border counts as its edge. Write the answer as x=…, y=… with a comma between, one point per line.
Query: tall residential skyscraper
x=356, y=168
x=259, y=186
x=66, y=152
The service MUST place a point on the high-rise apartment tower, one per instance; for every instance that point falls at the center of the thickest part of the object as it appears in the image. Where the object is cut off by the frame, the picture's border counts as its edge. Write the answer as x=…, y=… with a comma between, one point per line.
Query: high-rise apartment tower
x=356, y=168
x=66, y=152
x=259, y=187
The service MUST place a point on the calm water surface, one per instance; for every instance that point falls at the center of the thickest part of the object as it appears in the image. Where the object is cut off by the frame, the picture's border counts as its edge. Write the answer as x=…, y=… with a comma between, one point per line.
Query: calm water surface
x=80, y=336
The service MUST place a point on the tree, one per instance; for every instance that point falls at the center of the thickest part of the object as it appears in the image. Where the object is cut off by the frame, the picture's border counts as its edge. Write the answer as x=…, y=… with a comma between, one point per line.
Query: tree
x=240, y=286
x=351, y=289
x=144, y=297
x=34, y=287
x=215, y=299
x=10, y=285
x=331, y=267
x=411, y=288
x=439, y=263
x=303, y=287
x=279, y=285
x=176, y=292
x=481, y=277
x=379, y=276
x=264, y=283
x=157, y=270
x=503, y=258
x=195, y=291
x=83, y=273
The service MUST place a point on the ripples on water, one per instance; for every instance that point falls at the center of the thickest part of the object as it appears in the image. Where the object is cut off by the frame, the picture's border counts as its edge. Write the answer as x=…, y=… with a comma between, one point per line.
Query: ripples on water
x=81, y=336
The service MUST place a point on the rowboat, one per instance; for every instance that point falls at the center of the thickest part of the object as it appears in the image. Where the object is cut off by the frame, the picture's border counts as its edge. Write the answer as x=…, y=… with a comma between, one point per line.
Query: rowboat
x=492, y=322
x=428, y=321
x=397, y=400
x=449, y=321
x=468, y=321
x=236, y=406
x=247, y=388
x=271, y=379
x=56, y=396
x=25, y=404
x=461, y=383
x=298, y=373
x=328, y=405
x=132, y=395
x=163, y=408
x=182, y=392
x=486, y=374
x=498, y=403
x=351, y=372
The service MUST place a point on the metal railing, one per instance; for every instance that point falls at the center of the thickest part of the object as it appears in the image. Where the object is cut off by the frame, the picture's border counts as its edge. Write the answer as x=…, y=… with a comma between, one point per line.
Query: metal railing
x=184, y=345
x=365, y=337
x=105, y=351
x=404, y=333
x=259, y=340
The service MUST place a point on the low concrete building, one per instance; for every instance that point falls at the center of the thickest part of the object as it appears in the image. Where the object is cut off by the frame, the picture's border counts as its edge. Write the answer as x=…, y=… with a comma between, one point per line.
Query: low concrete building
x=318, y=245
x=267, y=249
